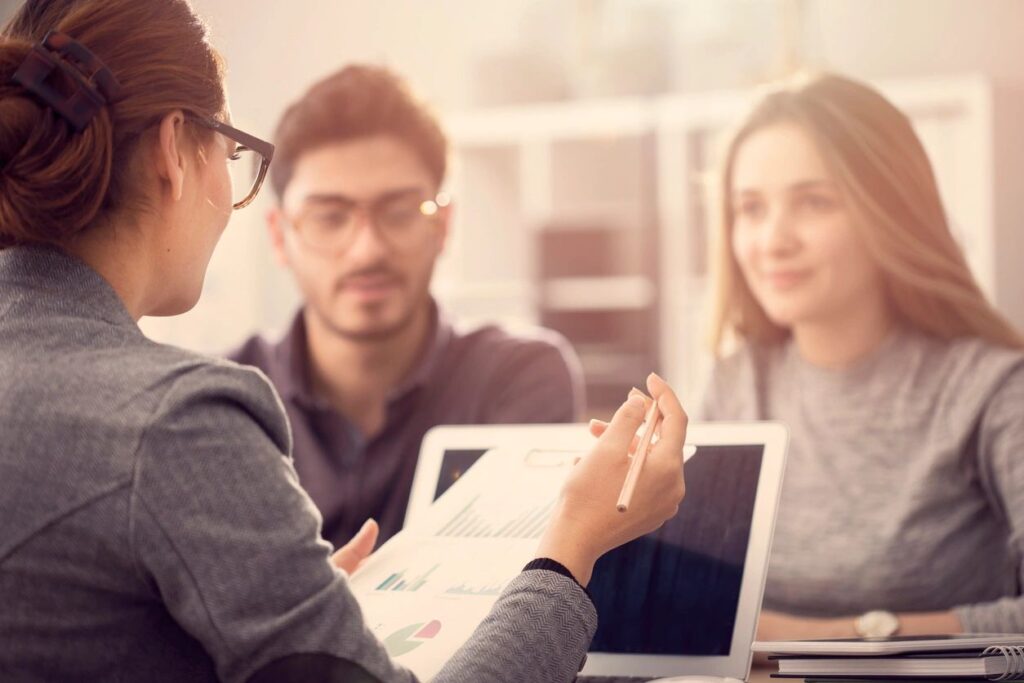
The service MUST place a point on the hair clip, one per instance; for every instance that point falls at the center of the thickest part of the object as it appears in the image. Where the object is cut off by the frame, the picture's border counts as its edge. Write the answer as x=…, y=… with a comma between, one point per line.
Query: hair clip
x=89, y=84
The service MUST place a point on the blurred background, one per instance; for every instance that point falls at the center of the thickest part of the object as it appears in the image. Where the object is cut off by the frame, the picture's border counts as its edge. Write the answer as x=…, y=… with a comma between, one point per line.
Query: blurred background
x=581, y=130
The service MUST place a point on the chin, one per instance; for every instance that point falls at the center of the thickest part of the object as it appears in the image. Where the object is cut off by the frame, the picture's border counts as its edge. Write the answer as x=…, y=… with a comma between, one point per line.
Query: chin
x=176, y=305
x=791, y=315
x=785, y=313
x=372, y=331
x=369, y=325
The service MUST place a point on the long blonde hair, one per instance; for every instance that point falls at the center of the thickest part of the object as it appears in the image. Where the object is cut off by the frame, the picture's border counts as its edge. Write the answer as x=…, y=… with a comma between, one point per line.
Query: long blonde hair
x=887, y=182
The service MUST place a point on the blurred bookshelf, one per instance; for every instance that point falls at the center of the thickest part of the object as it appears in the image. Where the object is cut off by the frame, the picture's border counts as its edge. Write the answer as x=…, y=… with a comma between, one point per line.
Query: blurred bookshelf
x=590, y=217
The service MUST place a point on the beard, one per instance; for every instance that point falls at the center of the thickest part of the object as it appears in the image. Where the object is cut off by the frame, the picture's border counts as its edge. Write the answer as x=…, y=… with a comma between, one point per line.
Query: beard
x=373, y=333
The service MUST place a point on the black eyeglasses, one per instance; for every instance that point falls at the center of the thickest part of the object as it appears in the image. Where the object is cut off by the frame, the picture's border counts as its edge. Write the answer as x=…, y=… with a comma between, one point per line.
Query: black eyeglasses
x=249, y=160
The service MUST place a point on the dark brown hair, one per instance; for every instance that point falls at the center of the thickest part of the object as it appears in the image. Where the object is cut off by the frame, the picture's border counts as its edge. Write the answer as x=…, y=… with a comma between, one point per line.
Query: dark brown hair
x=56, y=182
x=358, y=101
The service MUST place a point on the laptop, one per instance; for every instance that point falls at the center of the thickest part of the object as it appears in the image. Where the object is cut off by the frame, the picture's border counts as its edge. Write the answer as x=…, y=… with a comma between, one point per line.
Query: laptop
x=683, y=600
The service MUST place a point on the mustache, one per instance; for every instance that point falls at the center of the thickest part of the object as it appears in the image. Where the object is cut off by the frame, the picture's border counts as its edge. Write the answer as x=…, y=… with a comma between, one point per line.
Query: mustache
x=376, y=271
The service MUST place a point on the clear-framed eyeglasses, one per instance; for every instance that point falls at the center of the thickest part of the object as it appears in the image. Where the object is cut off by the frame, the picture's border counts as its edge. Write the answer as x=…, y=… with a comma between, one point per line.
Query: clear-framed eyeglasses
x=402, y=220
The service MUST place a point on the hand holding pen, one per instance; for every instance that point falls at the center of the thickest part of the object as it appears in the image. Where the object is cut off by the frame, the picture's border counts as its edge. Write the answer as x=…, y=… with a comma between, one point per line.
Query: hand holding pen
x=587, y=522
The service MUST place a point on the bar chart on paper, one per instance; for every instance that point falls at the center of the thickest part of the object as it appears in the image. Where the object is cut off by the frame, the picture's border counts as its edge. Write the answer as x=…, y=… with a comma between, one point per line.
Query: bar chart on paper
x=451, y=565
x=470, y=589
x=469, y=522
x=397, y=581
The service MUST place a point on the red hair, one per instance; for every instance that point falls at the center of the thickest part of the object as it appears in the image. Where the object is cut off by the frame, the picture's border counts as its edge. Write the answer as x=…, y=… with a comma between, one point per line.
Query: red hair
x=56, y=182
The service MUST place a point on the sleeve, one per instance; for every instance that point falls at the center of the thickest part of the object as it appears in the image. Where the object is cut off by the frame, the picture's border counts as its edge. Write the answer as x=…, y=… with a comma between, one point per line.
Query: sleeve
x=232, y=543
x=1001, y=453
x=222, y=529
x=537, y=632
x=536, y=382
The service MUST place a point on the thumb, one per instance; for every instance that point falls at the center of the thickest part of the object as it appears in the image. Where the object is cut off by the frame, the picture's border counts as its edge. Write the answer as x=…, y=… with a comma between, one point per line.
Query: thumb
x=620, y=431
x=358, y=549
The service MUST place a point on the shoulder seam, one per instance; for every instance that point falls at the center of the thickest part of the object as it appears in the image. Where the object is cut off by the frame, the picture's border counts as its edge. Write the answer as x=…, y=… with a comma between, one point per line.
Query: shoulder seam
x=202, y=599
x=111, y=490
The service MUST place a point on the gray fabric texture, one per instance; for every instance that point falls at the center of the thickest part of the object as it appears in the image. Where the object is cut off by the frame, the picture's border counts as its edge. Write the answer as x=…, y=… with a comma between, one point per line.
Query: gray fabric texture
x=904, y=485
x=153, y=527
x=482, y=375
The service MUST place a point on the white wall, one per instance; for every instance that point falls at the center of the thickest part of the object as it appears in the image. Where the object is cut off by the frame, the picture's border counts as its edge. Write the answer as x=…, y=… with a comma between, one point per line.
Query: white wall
x=451, y=49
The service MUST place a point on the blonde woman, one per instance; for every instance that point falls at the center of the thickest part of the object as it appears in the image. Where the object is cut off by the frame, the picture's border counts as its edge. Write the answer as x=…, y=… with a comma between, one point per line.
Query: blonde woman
x=845, y=309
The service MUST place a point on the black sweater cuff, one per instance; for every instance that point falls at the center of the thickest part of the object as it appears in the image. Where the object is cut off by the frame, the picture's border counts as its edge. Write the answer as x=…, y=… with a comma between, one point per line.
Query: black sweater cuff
x=556, y=567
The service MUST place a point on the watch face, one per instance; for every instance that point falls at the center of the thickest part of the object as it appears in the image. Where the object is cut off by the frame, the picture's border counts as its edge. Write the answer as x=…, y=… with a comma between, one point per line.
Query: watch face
x=877, y=624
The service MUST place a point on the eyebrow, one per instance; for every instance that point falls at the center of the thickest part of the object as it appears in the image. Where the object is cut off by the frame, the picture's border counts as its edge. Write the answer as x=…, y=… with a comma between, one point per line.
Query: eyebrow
x=811, y=184
x=339, y=198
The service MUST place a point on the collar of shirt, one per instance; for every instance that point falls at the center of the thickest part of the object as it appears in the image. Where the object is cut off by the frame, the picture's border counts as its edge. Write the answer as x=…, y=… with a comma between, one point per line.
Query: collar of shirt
x=293, y=353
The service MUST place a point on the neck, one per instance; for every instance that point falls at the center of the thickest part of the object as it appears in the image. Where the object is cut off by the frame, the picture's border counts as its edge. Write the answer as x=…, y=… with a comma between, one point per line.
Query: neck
x=118, y=258
x=356, y=376
x=842, y=339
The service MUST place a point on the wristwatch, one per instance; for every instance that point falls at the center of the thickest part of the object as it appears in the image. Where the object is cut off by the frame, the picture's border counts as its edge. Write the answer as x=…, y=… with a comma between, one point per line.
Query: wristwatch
x=876, y=624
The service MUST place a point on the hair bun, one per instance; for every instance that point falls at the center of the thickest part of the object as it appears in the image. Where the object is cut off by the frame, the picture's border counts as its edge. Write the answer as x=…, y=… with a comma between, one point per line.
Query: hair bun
x=56, y=182
x=52, y=179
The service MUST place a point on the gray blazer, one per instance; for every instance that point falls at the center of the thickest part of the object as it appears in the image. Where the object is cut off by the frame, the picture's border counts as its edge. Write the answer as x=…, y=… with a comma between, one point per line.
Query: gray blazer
x=153, y=528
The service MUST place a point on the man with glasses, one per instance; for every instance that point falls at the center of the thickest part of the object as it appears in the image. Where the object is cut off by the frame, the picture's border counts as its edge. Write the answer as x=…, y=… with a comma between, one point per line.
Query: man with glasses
x=371, y=362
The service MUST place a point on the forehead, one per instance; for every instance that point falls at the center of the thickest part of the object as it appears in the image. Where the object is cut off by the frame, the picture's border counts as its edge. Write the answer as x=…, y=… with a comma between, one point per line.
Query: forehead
x=776, y=157
x=363, y=168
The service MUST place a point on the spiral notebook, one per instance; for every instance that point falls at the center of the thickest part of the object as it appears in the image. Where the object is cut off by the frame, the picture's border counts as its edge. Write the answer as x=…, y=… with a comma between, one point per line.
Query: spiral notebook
x=893, y=645
x=1000, y=663
x=992, y=657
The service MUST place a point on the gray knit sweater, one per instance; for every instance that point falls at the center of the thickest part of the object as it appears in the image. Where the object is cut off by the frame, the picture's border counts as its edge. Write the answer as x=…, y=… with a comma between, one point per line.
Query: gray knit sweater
x=904, y=484
x=153, y=529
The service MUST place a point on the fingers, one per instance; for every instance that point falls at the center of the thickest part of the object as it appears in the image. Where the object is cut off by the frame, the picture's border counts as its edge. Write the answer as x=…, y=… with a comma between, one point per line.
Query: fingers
x=598, y=427
x=351, y=555
x=647, y=399
x=674, y=420
x=365, y=540
x=619, y=433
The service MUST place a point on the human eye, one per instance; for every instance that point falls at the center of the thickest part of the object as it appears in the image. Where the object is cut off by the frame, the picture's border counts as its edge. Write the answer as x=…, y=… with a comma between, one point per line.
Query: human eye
x=329, y=218
x=817, y=202
x=400, y=213
x=236, y=152
x=749, y=208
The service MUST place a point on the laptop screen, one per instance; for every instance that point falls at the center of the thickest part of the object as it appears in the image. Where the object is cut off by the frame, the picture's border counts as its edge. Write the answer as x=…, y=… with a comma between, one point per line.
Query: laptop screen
x=674, y=591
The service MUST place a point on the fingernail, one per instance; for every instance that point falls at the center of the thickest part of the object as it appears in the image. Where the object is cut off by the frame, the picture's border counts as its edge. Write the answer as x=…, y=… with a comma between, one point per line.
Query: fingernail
x=635, y=401
x=656, y=376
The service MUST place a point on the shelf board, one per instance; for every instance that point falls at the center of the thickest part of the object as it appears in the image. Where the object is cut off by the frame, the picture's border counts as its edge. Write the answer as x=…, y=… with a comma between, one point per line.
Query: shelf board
x=622, y=292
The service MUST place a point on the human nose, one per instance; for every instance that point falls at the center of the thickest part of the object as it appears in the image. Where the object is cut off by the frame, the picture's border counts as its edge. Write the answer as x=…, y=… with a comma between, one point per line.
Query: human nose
x=778, y=235
x=367, y=240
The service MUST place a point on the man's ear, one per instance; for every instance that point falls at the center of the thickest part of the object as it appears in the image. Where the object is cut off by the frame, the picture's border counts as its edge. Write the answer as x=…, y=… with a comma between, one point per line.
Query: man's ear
x=170, y=154
x=275, y=230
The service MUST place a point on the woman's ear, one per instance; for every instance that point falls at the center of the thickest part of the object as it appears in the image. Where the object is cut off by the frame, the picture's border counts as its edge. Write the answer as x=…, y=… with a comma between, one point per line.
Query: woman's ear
x=170, y=154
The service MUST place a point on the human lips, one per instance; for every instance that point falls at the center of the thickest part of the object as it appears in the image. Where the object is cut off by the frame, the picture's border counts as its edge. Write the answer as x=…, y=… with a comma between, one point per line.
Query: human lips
x=784, y=279
x=369, y=285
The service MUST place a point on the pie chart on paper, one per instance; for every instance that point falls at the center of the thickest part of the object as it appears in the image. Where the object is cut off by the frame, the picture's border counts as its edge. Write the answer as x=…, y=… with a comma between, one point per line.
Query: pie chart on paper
x=407, y=639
